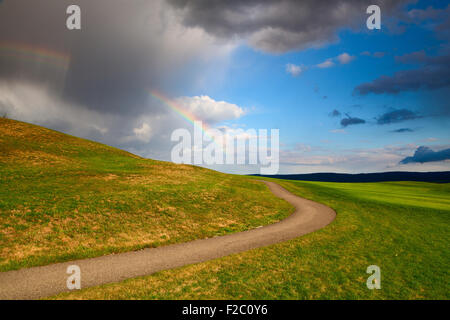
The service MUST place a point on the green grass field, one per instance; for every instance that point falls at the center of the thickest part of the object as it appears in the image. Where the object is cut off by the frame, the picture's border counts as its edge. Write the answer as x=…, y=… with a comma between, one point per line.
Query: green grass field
x=64, y=198
x=402, y=227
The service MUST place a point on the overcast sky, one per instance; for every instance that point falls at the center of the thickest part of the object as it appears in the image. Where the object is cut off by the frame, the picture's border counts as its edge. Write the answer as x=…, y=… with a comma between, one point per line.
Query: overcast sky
x=345, y=98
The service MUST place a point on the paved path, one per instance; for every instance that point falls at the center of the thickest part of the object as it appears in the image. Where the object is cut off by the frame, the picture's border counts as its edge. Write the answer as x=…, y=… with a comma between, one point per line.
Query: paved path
x=49, y=280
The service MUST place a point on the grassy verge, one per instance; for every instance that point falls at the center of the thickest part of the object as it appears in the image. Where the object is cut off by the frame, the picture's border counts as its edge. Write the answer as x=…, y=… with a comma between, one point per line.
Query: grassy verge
x=401, y=227
x=65, y=198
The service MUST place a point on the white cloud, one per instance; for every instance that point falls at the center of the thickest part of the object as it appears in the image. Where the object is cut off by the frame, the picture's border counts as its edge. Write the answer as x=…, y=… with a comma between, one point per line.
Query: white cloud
x=293, y=69
x=144, y=133
x=338, y=131
x=354, y=160
x=278, y=26
x=34, y=103
x=326, y=64
x=147, y=135
x=378, y=54
x=345, y=58
x=209, y=110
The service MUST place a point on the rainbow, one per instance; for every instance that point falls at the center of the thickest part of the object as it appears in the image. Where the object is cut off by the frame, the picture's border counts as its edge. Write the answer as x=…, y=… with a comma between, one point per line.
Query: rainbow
x=34, y=53
x=189, y=117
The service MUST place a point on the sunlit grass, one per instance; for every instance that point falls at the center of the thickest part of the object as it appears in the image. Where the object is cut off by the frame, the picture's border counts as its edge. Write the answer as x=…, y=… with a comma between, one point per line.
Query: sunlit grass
x=377, y=224
x=64, y=198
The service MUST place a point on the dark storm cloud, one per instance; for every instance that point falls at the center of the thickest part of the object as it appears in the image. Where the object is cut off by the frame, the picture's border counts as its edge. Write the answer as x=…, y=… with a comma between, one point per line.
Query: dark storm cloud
x=397, y=116
x=425, y=154
x=115, y=58
x=95, y=82
x=379, y=54
x=335, y=113
x=443, y=30
x=349, y=121
x=279, y=26
x=413, y=57
x=435, y=19
x=429, y=77
x=433, y=72
x=106, y=69
x=424, y=14
x=402, y=130
x=430, y=73
x=420, y=57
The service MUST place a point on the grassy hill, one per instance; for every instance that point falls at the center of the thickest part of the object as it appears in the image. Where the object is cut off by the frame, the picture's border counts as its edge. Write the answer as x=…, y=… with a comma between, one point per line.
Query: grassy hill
x=402, y=227
x=63, y=198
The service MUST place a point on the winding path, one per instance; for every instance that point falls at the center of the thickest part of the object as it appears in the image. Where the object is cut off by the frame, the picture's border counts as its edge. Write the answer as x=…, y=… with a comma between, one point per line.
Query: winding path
x=38, y=282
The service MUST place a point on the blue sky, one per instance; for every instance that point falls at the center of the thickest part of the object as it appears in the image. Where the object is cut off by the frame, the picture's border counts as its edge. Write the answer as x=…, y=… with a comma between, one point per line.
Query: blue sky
x=300, y=106
x=383, y=95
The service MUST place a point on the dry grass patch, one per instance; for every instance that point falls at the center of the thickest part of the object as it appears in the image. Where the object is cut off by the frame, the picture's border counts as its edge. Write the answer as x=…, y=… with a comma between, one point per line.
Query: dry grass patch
x=68, y=198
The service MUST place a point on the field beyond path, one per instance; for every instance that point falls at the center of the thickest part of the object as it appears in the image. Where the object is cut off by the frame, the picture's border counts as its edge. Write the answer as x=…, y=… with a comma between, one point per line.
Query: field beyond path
x=44, y=281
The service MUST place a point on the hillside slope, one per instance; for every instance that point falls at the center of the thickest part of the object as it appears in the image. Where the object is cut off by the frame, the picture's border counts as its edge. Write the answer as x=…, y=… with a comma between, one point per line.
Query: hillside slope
x=64, y=198
x=402, y=227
